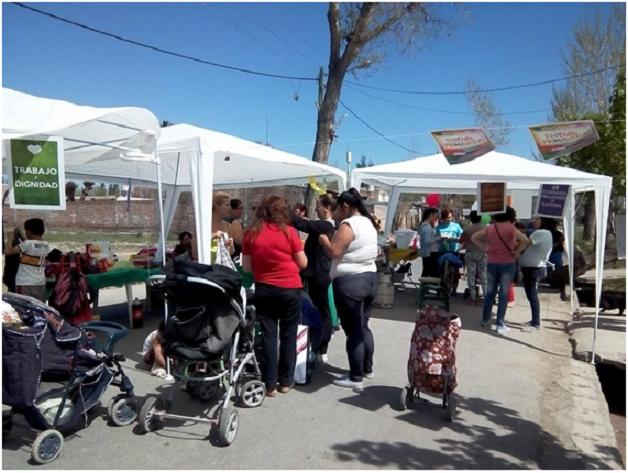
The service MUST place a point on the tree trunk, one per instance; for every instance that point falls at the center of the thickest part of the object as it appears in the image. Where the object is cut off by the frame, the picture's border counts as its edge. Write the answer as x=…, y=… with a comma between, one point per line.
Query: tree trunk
x=325, y=129
x=588, y=232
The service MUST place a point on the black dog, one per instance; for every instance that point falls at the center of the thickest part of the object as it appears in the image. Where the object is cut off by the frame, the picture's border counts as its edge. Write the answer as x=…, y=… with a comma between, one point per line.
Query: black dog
x=609, y=300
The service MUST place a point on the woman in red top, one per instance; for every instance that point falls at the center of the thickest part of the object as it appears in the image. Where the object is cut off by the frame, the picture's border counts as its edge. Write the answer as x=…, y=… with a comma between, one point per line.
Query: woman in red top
x=505, y=244
x=273, y=252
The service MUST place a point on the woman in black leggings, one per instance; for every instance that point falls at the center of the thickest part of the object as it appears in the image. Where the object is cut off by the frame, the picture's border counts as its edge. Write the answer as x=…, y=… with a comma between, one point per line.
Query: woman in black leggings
x=353, y=250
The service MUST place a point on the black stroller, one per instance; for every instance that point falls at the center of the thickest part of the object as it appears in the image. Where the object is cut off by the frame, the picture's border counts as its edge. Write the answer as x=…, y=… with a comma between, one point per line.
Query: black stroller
x=210, y=337
x=39, y=345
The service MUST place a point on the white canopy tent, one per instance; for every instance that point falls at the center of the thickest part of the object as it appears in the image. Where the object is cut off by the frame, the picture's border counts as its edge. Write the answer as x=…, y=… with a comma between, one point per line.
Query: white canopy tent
x=88, y=132
x=433, y=174
x=199, y=160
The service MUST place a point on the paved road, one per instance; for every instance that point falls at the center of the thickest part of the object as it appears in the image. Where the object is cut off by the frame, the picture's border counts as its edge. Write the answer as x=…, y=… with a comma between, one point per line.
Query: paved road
x=524, y=403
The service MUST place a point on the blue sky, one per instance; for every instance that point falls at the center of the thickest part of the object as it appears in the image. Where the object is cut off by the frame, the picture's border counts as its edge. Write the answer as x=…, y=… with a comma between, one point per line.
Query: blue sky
x=497, y=44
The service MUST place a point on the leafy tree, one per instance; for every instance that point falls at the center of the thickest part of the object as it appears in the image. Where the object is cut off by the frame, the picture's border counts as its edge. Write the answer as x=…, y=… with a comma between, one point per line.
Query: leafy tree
x=598, y=44
x=359, y=35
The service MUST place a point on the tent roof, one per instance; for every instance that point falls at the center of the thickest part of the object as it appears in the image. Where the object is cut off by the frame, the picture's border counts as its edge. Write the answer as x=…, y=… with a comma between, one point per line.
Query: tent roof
x=434, y=173
x=88, y=132
x=237, y=162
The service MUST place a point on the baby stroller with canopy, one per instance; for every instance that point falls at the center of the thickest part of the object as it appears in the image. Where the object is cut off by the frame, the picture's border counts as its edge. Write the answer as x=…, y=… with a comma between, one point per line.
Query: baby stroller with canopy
x=211, y=327
x=432, y=360
x=38, y=345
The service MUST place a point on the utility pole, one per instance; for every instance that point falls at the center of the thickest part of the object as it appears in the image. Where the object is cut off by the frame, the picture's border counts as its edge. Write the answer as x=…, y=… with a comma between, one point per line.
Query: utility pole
x=321, y=88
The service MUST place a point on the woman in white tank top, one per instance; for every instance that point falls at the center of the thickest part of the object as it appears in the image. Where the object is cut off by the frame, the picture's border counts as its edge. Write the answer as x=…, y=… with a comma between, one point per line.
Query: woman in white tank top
x=353, y=250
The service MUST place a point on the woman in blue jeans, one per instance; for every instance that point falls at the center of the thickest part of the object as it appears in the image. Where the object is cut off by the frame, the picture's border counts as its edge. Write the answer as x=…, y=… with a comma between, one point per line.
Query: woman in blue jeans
x=503, y=244
x=353, y=250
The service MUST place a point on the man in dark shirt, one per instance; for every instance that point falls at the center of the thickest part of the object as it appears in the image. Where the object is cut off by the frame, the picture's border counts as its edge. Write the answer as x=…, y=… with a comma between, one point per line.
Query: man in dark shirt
x=316, y=274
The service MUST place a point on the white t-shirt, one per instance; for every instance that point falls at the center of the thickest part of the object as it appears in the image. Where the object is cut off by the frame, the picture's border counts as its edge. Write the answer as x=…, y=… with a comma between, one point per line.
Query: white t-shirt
x=149, y=341
x=32, y=263
x=537, y=254
x=360, y=255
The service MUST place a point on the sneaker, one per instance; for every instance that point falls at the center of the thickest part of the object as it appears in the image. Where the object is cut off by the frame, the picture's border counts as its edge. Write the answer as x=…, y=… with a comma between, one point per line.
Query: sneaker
x=531, y=328
x=486, y=323
x=502, y=330
x=322, y=358
x=370, y=375
x=159, y=372
x=346, y=382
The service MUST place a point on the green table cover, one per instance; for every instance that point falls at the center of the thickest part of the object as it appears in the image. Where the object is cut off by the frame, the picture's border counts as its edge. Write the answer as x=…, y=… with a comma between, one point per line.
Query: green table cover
x=118, y=277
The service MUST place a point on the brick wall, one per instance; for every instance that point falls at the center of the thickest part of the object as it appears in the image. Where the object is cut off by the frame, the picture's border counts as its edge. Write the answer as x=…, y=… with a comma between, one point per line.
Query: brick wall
x=141, y=215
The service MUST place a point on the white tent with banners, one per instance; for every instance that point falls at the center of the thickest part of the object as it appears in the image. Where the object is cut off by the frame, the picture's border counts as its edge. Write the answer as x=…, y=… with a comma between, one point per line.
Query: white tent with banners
x=201, y=161
x=433, y=174
x=118, y=144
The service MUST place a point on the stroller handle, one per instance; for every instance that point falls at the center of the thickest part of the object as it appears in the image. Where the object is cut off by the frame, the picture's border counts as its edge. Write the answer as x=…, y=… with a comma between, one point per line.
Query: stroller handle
x=158, y=278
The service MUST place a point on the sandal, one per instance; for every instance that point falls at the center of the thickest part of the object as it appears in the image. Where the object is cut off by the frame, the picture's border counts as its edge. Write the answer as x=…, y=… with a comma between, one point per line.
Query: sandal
x=284, y=389
x=271, y=393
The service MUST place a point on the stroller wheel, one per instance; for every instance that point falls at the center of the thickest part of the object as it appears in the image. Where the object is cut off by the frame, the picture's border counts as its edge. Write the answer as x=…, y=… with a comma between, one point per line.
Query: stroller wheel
x=7, y=422
x=47, y=446
x=122, y=410
x=147, y=419
x=252, y=393
x=451, y=408
x=405, y=397
x=228, y=425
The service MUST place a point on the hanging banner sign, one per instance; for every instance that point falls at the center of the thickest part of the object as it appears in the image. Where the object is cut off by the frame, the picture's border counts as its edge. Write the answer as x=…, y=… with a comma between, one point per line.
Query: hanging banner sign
x=37, y=173
x=491, y=197
x=559, y=139
x=552, y=200
x=460, y=146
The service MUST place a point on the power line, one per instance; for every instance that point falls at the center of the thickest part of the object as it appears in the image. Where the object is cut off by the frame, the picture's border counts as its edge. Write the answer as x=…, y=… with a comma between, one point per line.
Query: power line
x=272, y=32
x=425, y=109
x=495, y=89
x=379, y=133
x=161, y=50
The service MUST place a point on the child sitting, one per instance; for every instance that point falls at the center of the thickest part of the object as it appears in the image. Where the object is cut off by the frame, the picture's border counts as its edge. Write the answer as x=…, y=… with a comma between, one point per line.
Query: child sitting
x=153, y=351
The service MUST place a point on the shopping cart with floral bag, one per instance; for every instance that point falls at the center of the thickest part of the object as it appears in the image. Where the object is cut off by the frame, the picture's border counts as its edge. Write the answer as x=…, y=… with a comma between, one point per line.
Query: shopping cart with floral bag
x=432, y=360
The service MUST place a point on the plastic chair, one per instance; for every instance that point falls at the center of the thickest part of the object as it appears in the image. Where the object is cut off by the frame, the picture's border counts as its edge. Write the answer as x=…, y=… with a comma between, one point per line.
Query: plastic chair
x=430, y=289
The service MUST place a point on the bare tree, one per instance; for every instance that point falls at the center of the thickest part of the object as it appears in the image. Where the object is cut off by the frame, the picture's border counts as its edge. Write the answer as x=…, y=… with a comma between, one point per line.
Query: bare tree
x=359, y=34
x=486, y=114
x=598, y=44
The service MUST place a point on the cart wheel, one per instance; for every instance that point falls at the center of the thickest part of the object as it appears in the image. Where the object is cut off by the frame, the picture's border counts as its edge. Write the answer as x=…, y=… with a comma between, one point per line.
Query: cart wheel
x=148, y=421
x=47, y=446
x=451, y=408
x=207, y=390
x=228, y=425
x=122, y=410
x=252, y=393
x=405, y=397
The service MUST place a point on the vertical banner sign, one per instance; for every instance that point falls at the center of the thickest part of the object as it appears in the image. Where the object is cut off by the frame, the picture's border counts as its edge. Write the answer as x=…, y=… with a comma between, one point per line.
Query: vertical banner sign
x=559, y=139
x=37, y=174
x=552, y=199
x=460, y=146
x=491, y=197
